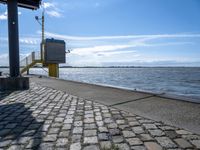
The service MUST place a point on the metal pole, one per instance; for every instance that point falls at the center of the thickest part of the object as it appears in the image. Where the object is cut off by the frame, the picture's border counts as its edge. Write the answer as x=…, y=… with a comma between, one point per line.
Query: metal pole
x=13, y=38
x=43, y=26
x=42, y=49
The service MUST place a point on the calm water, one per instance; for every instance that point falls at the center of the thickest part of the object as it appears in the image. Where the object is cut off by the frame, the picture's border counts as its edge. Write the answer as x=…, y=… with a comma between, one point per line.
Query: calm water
x=175, y=81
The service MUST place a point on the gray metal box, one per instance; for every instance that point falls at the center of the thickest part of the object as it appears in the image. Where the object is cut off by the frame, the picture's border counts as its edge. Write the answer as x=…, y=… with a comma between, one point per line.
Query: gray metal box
x=54, y=51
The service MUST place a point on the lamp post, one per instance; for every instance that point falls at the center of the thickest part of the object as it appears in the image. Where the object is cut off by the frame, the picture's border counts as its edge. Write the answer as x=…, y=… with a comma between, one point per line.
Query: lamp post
x=42, y=24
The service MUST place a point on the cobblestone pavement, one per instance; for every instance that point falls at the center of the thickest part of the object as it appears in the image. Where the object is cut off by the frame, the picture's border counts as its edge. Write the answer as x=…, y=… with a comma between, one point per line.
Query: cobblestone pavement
x=44, y=118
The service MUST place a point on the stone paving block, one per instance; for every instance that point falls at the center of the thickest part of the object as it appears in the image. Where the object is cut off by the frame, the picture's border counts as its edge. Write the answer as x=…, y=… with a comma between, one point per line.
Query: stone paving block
x=103, y=136
x=64, y=134
x=166, y=142
x=117, y=139
x=152, y=146
x=196, y=143
x=114, y=132
x=45, y=127
x=134, y=141
x=156, y=132
x=53, y=130
x=68, y=121
x=62, y=142
x=59, y=119
x=76, y=138
x=90, y=140
x=77, y=130
x=120, y=121
x=91, y=147
x=128, y=134
x=112, y=125
x=90, y=126
x=172, y=134
x=150, y=126
x=103, y=129
x=183, y=143
x=50, y=138
x=145, y=137
x=123, y=146
x=4, y=132
x=191, y=137
x=98, y=118
x=134, y=123
x=5, y=143
x=78, y=123
x=15, y=147
x=90, y=132
x=105, y=144
x=75, y=146
x=108, y=120
x=22, y=140
x=138, y=130
x=56, y=125
x=66, y=127
x=89, y=120
x=123, y=127
x=33, y=143
x=100, y=123
x=46, y=146
x=11, y=126
x=166, y=127
x=183, y=132
x=138, y=148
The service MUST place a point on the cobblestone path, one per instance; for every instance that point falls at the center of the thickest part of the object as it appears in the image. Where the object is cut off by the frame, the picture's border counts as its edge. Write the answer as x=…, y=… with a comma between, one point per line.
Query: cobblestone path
x=44, y=118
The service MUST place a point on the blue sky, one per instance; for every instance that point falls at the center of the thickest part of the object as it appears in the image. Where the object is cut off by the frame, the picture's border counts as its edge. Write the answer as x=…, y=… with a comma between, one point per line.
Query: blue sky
x=114, y=32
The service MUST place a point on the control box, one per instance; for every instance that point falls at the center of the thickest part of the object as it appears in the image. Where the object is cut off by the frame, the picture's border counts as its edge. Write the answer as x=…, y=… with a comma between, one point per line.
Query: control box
x=54, y=51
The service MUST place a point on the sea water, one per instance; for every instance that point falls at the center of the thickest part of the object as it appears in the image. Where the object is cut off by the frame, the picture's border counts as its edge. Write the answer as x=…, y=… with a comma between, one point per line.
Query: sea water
x=180, y=81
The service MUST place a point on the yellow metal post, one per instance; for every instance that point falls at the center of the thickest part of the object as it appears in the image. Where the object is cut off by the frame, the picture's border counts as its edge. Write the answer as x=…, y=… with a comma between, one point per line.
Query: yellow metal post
x=53, y=70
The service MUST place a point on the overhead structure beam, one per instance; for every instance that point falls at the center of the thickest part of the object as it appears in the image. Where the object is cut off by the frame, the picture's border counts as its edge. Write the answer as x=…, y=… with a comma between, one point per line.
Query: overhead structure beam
x=30, y=4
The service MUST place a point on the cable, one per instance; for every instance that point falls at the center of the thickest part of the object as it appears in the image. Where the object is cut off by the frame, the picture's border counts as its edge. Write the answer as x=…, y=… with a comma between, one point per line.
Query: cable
x=43, y=69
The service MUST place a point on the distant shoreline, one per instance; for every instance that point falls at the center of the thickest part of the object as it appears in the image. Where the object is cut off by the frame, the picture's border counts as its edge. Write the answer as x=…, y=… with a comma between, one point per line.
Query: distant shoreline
x=119, y=67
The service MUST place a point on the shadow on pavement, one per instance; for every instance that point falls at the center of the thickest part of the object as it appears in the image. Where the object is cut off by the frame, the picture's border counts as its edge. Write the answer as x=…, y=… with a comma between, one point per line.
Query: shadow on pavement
x=18, y=128
x=4, y=94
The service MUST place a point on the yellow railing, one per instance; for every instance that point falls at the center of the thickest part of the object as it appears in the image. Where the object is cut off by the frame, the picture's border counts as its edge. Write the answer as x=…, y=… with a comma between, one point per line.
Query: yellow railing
x=30, y=61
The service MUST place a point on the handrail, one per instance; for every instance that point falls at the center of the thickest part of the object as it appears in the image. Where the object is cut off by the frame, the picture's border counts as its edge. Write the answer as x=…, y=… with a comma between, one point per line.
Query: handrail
x=33, y=58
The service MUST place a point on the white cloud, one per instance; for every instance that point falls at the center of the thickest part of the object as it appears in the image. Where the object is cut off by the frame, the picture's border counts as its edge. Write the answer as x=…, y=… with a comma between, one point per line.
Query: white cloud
x=29, y=40
x=24, y=40
x=54, y=13
x=141, y=37
x=3, y=59
x=47, y=5
x=52, y=9
x=103, y=49
x=111, y=44
x=4, y=16
x=108, y=54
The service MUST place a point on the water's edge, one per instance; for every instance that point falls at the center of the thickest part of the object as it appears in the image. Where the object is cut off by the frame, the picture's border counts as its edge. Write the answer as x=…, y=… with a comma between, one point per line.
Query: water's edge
x=158, y=94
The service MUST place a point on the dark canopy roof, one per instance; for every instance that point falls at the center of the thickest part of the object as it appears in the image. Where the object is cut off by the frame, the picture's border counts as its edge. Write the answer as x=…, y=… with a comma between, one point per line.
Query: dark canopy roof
x=30, y=4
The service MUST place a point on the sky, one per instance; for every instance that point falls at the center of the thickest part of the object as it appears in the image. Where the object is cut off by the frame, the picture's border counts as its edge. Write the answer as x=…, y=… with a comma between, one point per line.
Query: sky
x=113, y=32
